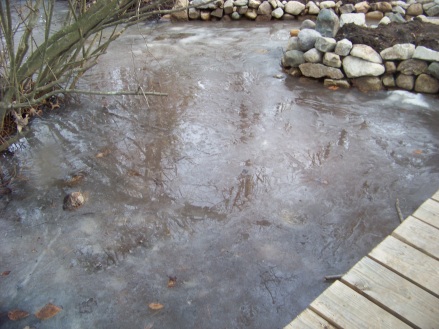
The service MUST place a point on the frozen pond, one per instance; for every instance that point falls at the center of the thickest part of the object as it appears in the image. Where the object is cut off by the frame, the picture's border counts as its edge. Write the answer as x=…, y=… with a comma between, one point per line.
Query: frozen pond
x=242, y=189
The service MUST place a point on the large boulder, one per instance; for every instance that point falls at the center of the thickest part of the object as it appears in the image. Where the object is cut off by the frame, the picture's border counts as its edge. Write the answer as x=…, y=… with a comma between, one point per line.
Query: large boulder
x=398, y=52
x=294, y=7
x=228, y=7
x=426, y=54
x=412, y=66
x=181, y=15
x=426, y=84
x=347, y=8
x=313, y=9
x=277, y=13
x=415, y=9
x=433, y=11
x=357, y=19
x=367, y=53
x=292, y=58
x=404, y=81
x=194, y=13
x=251, y=13
x=327, y=23
x=327, y=4
x=319, y=71
x=365, y=84
x=265, y=9
x=355, y=67
x=307, y=39
x=362, y=7
x=203, y=4
x=254, y=4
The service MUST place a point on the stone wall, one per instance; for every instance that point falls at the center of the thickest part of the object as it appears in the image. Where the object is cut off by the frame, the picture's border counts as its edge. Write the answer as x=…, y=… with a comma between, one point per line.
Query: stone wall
x=265, y=10
x=313, y=52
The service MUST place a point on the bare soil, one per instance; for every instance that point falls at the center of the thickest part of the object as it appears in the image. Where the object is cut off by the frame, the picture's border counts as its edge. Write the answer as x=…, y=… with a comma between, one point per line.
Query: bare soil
x=384, y=36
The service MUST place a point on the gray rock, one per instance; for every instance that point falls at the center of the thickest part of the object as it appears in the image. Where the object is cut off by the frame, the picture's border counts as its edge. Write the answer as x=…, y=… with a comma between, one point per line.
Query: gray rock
x=415, y=9
x=426, y=54
x=406, y=82
x=367, y=53
x=347, y=9
x=398, y=10
x=277, y=13
x=228, y=7
x=412, y=67
x=242, y=10
x=307, y=24
x=201, y=4
x=319, y=71
x=313, y=56
x=402, y=4
x=265, y=9
x=235, y=16
x=433, y=11
x=355, y=67
x=327, y=23
x=218, y=12
x=307, y=39
x=398, y=52
x=395, y=17
x=294, y=7
x=251, y=13
x=325, y=44
x=388, y=80
x=293, y=44
x=327, y=4
x=343, y=83
x=313, y=9
x=332, y=60
x=254, y=4
x=292, y=58
x=343, y=47
x=390, y=67
x=426, y=84
x=194, y=13
x=433, y=69
x=357, y=19
x=240, y=3
x=365, y=84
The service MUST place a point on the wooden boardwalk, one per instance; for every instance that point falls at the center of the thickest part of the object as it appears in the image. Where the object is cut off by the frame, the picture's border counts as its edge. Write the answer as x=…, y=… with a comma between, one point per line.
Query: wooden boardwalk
x=395, y=286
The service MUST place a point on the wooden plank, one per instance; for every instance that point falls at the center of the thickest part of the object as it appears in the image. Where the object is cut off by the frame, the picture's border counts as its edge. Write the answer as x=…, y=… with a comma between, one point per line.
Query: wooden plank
x=428, y=212
x=408, y=262
x=436, y=196
x=395, y=293
x=309, y=320
x=348, y=309
x=419, y=235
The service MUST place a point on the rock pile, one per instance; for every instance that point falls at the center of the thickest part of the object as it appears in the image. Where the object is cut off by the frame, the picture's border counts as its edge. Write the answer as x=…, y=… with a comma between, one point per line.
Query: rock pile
x=314, y=52
x=263, y=10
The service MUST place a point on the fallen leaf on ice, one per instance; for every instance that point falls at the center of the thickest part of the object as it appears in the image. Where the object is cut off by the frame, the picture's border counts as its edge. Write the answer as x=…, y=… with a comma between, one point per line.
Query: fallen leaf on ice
x=48, y=311
x=332, y=87
x=155, y=306
x=172, y=282
x=15, y=315
x=6, y=273
x=417, y=152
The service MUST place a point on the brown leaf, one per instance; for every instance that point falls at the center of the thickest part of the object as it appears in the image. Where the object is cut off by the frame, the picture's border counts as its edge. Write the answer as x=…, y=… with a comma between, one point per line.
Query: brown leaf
x=103, y=153
x=6, y=273
x=417, y=152
x=48, y=311
x=155, y=306
x=15, y=315
x=133, y=172
x=332, y=87
x=172, y=282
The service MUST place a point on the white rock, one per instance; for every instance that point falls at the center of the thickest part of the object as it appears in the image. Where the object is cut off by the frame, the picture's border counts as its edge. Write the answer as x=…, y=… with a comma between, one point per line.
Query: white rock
x=320, y=71
x=327, y=4
x=367, y=53
x=426, y=54
x=358, y=19
x=277, y=13
x=355, y=67
x=313, y=56
x=332, y=60
x=385, y=20
x=294, y=7
x=325, y=44
x=399, y=52
x=313, y=9
x=343, y=47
